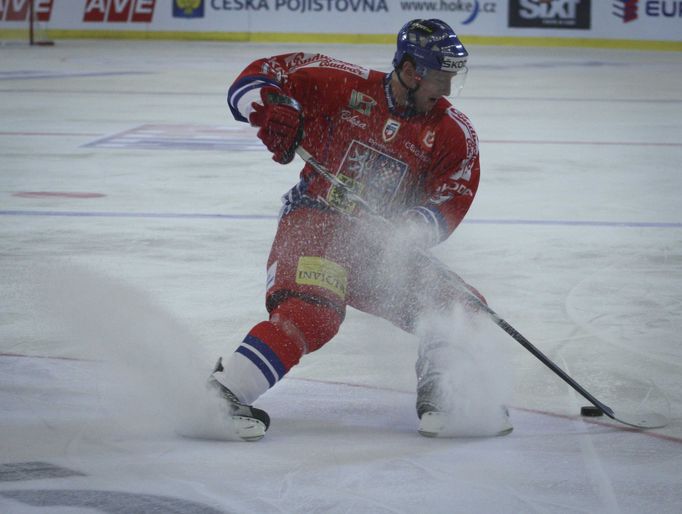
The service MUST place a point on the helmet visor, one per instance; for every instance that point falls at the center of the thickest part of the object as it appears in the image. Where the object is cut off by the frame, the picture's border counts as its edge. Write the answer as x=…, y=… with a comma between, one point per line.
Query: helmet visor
x=445, y=83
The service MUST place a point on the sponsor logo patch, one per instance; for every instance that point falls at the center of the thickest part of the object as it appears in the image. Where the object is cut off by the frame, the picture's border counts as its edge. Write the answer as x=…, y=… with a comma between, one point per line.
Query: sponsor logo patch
x=353, y=119
x=320, y=272
x=626, y=10
x=361, y=102
x=337, y=197
x=345, y=66
x=19, y=10
x=550, y=14
x=429, y=138
x=188, y=8
x=119, y=11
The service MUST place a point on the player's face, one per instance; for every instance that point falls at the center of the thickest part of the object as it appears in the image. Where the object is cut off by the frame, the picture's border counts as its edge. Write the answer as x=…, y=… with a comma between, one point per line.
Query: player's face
x=436, y=84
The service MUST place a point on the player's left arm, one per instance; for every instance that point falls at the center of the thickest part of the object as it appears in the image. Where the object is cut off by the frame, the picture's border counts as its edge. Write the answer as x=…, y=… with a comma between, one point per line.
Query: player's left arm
x=452, y=181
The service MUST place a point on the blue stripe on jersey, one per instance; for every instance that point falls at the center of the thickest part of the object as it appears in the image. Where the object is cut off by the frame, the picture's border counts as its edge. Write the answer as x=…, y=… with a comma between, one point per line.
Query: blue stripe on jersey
x=435, y=219
x=266, y=352
x=258, y=362
x=243, y=86
x=297, y=197
x=442, y=225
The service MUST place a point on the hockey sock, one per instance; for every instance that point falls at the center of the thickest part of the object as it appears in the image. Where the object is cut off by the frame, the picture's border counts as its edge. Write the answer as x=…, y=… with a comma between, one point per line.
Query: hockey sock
x=261, y=360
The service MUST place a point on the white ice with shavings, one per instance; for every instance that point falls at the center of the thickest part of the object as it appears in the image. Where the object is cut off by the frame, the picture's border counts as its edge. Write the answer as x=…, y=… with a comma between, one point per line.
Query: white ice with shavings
x=125, y=272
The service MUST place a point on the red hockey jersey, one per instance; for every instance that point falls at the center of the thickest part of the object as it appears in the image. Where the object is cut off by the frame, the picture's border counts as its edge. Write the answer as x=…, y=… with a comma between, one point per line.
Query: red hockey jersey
x=425, y=165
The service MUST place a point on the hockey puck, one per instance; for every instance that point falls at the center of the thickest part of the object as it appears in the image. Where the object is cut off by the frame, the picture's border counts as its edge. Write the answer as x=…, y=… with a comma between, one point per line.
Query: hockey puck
x=590, y=411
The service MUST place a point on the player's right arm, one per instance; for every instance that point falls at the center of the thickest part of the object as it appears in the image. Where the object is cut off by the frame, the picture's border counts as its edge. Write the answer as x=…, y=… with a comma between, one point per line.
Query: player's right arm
x=246, y=89
x=259, y=96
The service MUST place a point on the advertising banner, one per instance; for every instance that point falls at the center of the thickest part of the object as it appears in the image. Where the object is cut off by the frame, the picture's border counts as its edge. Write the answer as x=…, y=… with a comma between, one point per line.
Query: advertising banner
x=353, y=20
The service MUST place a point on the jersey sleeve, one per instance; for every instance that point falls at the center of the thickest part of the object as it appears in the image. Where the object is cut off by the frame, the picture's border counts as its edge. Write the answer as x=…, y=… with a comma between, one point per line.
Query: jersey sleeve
x=246, y=88
x=453, y=179
x=299, y=75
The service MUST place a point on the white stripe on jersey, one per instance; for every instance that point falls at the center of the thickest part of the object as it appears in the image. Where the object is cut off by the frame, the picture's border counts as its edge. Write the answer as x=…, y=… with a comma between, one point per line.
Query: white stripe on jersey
x=241, y=98
x=464, y=124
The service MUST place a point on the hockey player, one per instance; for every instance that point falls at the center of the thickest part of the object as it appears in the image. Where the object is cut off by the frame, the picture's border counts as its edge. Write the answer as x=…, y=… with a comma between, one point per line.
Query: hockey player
x=395, y=140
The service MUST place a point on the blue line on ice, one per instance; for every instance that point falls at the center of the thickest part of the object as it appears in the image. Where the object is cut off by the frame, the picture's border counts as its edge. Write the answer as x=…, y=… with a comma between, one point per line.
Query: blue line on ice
x=177, y=215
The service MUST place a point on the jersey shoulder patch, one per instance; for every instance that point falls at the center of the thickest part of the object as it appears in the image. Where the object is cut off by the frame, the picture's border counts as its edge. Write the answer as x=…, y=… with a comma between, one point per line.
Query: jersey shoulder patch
x=324, y=62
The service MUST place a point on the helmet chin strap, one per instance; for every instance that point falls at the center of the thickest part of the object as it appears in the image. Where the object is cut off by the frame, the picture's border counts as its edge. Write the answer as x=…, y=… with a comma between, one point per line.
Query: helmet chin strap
x=410, y=109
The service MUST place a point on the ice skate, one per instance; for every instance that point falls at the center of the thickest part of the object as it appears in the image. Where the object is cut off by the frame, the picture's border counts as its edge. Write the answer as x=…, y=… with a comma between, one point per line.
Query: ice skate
x=437, y=424
x=433, y=421
x=250, y=423
x=434, y=418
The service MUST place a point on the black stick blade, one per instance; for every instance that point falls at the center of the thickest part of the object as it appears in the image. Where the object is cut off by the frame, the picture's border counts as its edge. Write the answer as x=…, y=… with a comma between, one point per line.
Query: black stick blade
x=645, y=420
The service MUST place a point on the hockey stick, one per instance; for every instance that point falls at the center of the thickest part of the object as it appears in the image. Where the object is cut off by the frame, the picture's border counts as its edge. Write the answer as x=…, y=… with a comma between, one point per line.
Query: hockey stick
x=644, y=421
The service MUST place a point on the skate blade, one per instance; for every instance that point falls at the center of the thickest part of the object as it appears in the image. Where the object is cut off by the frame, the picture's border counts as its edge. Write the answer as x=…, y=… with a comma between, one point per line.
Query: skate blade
x=505, y=431
x=248, y=429
x=434, y=424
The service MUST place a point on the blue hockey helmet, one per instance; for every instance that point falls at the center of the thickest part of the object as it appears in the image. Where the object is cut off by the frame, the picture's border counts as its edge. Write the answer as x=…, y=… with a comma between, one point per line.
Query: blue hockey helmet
x=433, y=45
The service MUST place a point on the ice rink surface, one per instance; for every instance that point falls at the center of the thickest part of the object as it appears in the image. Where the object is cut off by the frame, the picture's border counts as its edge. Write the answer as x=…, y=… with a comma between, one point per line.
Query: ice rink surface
x=135, y=222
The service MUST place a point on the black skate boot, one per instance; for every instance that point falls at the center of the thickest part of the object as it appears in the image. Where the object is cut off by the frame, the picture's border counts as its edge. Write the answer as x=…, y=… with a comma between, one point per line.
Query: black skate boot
x=250, y=423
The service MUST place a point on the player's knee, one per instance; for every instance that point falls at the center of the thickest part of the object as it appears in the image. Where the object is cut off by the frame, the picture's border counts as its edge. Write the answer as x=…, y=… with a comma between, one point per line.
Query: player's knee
x=310, y=325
